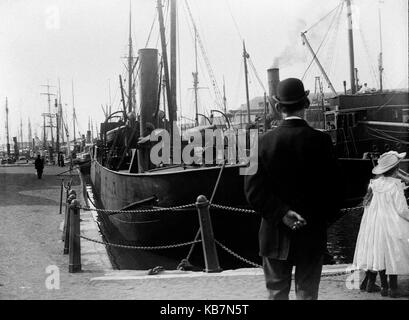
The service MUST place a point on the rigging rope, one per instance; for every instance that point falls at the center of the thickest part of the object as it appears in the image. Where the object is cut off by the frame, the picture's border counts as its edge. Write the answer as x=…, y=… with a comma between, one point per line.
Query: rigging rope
x=333, y=57
x=234, y=20
x=369, y=57
x=322, y=43
x=326, y=16
x=257, y=76
x=151, y=29
x=219, y=99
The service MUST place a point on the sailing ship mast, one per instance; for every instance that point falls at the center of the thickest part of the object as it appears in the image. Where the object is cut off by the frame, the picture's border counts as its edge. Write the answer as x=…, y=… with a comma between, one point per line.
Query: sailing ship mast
x=60, y=113
x=57, y=121
x=21, y=133
x=30, y=136
x=73, y=111
x=51, y=125
x=7, y=129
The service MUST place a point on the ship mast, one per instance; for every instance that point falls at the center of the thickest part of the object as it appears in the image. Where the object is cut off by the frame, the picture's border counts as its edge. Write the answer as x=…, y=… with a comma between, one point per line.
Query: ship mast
x=57, y=120
x=196, y=82
x=165, y=64
x=224, y=97
x=245, y=57
x=21, y=133
x=51, y=125
x=73, y=111
x=173, y=57
x=381, y=50
x=7, y=129
x=30, y=136
x=60, y=114
x=351, y=46
x=130, y=63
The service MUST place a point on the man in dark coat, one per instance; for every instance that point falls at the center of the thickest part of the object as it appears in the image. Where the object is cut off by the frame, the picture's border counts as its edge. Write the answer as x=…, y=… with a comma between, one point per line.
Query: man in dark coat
x=297, y=191
x=39, y=166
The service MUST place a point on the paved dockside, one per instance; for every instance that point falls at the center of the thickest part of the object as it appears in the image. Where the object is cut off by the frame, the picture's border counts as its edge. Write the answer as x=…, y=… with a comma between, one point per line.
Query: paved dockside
x=30, y=242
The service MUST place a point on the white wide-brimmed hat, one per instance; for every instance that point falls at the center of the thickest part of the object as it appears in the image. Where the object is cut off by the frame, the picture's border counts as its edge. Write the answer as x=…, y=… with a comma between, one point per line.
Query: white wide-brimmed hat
x=387, y=161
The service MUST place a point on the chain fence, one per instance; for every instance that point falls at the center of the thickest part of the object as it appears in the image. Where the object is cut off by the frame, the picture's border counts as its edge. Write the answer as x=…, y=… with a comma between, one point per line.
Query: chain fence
x=110, y=212
x=190, y=243
x=171, y=246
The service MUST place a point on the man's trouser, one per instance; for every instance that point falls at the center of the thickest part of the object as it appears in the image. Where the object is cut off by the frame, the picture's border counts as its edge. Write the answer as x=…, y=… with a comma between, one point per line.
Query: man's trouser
x=307, y=277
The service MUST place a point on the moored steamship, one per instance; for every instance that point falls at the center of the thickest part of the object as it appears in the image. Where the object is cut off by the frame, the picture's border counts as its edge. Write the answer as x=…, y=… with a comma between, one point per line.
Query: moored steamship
x=124, y=178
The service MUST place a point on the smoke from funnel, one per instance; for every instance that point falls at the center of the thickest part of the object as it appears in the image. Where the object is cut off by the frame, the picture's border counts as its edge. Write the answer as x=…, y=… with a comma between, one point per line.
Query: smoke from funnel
x=294, y=52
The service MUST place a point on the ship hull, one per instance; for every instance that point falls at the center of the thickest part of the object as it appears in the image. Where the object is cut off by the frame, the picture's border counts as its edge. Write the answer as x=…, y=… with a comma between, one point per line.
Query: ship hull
x=117, y=190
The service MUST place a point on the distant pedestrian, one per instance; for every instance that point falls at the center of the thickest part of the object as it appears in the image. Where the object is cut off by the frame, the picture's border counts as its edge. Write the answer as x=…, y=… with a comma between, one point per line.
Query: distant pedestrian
x=383, y=239
x=39, y=166
x=294, y=196
x=60, y=160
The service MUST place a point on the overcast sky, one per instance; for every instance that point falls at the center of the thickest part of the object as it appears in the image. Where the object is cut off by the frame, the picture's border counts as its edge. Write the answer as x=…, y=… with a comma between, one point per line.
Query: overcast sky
x=84, y=41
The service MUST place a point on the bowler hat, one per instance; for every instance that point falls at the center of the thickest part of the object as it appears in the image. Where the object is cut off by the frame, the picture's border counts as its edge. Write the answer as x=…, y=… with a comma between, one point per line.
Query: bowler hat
x=290, y=91
x=387, y=161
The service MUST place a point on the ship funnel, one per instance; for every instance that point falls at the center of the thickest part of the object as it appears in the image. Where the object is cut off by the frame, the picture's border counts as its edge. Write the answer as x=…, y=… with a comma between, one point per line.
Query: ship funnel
x=273, y=75
x=273, y=80
x=148, y=89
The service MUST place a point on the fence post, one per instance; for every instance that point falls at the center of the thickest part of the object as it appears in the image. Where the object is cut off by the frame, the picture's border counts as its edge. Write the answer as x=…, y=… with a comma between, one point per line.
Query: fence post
x=61, y=193
x=209, y=246
x=74, y=241
x=66, y=230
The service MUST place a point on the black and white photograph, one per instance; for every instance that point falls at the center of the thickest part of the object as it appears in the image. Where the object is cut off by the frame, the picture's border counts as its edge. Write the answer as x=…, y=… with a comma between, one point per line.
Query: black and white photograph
x=204, y=155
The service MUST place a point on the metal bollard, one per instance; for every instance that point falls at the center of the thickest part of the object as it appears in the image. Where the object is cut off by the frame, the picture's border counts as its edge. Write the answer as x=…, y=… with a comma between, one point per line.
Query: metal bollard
x=66, y=230
x=75, y=240
x=61, y=193
x=209, y=246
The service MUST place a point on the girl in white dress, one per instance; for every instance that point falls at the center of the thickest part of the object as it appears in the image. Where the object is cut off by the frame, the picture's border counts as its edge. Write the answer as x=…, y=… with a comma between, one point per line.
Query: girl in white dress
x=383, y=239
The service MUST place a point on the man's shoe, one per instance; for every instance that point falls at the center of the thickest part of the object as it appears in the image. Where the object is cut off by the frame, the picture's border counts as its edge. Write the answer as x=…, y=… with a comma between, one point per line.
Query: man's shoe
x=384, y=292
